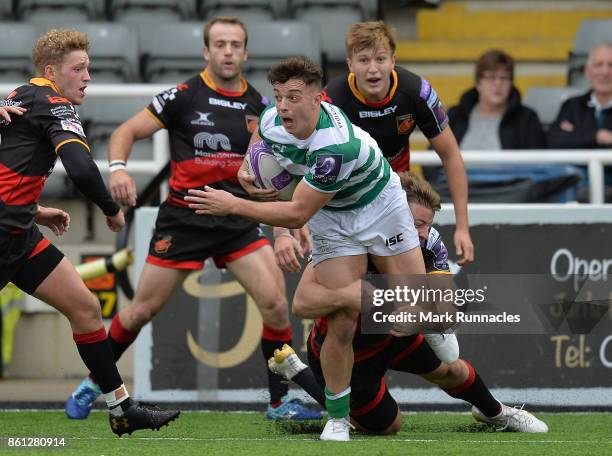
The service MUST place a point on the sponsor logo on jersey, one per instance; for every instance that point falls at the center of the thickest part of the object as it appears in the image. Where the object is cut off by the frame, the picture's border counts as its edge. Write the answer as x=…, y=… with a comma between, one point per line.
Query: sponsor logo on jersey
x=251, y=122
x=214, y=141
x=425, y=89
x=9, y=102
x=162, y=243
x=66, y=112
x=379, y=113
x=74, y=127
x=57, y=100
x=405, y=124
x=327, y=168
x=227, y=104
x=203, y=119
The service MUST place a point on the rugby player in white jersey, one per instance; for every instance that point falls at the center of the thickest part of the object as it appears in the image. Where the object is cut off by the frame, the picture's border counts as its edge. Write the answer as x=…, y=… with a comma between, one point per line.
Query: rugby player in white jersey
x=352, y=200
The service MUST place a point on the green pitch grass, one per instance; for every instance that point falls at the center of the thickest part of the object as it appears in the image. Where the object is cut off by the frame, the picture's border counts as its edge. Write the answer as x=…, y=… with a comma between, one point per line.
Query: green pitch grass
x=207, y=433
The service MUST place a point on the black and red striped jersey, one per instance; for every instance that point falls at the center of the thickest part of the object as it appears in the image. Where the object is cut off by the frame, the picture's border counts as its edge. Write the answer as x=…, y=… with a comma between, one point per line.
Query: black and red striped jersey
x=411, y=101
x=209, y=131
x=28, y=148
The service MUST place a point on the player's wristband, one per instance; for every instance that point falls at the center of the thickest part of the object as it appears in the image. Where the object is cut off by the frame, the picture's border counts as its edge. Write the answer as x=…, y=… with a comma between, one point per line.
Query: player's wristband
x=116, y=165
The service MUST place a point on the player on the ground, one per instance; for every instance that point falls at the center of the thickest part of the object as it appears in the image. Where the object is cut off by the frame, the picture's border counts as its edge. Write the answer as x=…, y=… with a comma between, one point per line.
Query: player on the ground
x=373, y=409
x=350, y=197
x=388, y=102
x=38, y=123
x=209, y=118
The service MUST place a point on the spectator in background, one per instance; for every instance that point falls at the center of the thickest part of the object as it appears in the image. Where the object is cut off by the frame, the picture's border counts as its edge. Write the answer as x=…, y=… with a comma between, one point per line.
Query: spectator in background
x=585, y=121
x=490, y=116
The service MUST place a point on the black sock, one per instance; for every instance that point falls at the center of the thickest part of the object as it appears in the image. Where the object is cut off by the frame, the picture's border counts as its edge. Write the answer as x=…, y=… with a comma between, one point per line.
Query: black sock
x=272, y=339
x=308, y=382
x=126, y=404
x=97, y=355
x=474, y=391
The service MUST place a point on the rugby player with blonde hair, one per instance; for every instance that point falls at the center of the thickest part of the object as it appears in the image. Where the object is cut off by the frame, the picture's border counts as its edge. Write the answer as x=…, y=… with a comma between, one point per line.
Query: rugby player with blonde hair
x=38, y=124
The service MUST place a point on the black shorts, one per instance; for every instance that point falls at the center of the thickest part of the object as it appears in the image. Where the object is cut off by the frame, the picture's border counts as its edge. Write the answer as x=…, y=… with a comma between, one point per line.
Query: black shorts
x=372, y=407
x=184, y=239
x=27, y=259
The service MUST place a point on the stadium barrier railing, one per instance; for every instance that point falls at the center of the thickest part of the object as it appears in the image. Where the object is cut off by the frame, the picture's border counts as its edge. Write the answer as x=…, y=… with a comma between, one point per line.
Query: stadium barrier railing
x=595, y=160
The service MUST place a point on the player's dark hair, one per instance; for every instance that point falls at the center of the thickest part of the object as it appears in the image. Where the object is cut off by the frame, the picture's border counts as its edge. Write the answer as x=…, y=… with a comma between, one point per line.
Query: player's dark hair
x=366, y=35
x=232, y=20
x=494, y=60
x=300, y=68
x=419, y=191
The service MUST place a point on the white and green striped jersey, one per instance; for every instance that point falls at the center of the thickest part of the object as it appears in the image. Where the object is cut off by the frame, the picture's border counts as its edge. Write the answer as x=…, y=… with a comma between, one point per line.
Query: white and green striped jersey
x=338, y=157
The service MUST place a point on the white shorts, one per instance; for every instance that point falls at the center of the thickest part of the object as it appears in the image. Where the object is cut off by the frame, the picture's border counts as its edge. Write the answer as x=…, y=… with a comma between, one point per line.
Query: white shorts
x=384, y=227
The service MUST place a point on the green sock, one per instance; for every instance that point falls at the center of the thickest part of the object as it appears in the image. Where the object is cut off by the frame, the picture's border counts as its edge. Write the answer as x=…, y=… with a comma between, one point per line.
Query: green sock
x=338, y=405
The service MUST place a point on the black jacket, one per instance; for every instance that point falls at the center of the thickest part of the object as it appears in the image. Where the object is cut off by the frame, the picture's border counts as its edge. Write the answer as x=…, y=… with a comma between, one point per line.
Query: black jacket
x=582, y=116
x=519, y=128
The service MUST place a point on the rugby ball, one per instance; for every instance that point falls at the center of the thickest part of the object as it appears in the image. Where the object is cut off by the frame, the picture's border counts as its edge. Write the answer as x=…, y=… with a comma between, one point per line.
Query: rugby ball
x=268, y=173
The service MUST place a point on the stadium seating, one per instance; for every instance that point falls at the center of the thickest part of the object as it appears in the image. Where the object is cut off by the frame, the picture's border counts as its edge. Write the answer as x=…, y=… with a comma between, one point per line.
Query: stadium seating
x=333, y=17
x=247, y=10
x=101, y=116
x=6, y=10
x=114, y=52
x=176, y=53
x=547, y=101
x=333, y=23
x=273, y=41
x=148, y=15
x=47, y=11
x=16, y=59
x=590, y=32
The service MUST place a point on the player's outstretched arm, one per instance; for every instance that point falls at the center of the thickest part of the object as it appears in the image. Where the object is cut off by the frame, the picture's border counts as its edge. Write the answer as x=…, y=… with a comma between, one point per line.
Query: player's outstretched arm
x=289, y=214
x=140, y=126
x=447, y=148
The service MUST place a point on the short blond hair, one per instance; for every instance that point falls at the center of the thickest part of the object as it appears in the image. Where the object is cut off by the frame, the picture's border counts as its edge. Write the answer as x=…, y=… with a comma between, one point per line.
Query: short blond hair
x=366, y=35
x=52, y=47
x=419, y=191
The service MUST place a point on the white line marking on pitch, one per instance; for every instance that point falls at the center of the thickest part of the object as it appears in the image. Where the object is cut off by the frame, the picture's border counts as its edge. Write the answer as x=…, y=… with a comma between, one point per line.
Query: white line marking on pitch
x=247, y=439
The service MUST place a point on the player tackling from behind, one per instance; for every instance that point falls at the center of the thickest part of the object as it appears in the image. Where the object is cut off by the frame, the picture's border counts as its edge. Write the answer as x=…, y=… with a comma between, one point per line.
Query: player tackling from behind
x=351, y=199
x=45, y=126
x=209, y=119
x=373, y=409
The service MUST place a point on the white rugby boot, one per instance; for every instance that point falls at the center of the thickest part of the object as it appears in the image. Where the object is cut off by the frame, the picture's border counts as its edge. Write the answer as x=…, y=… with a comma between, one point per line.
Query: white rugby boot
x=445, y=345
x=512, y=418
x=337, y=430
x=286, y=363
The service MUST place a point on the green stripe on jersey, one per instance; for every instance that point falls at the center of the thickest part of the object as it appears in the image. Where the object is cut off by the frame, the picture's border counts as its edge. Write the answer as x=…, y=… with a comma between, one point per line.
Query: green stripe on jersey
x=370, y=195
x=338, y=157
